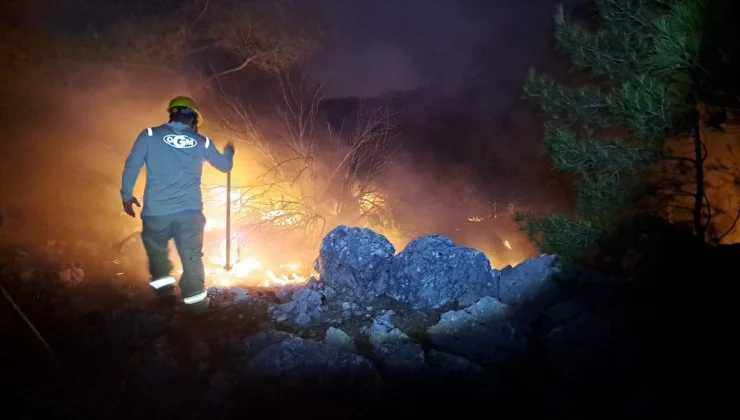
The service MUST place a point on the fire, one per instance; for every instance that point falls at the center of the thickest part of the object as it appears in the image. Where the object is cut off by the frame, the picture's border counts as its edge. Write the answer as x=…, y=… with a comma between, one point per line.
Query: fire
x=249, y=270
x=283, y=279
x=245, y=270
x=249, y=267
x=279, y=218
x=371, y=200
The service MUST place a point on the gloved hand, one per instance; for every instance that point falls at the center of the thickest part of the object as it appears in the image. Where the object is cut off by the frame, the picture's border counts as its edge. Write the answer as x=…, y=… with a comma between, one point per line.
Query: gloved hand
x=229, y=148
x=128, y=206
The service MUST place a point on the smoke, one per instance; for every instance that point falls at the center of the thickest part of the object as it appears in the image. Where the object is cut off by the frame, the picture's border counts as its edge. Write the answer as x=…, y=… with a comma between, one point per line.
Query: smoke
x=61, y=172
x=472, y=146
x=70, y=131
x=453, y=200
x=67, y=144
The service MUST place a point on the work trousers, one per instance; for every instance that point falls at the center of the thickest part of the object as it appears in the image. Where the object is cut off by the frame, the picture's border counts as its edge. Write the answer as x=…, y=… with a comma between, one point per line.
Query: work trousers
x=187, y=231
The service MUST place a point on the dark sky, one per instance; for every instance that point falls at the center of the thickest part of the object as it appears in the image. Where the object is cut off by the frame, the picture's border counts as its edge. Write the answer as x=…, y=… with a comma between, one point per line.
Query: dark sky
x=377, y=46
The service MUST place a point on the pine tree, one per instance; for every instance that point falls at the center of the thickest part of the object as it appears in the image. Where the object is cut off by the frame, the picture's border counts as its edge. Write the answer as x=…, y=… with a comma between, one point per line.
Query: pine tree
x=609, y=132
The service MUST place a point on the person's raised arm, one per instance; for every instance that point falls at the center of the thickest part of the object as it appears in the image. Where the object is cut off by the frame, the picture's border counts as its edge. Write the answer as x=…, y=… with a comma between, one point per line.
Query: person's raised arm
x=224, y=162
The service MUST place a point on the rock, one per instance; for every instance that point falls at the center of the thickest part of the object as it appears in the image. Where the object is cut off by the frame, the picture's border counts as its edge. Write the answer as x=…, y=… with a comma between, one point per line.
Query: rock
x=72, y=276
x=303, y=319
x=562, y=312
x=215, y=290
x=305, y=305
x=329, y=292
x=305, y=366
x=456, y=371
x=528, y=282
x=339, y=339
x=316, y=313
x=226, y=297
x=383, y=331
x=253, y=345
x=400, y=358
x=285, y=294
x=480, y=332
x=355, y=261
x=239, y=295
x=307, y=299
x=200, y=351
x=288, y=307
x=452, y=364
x=530, y=288
x=432, y=271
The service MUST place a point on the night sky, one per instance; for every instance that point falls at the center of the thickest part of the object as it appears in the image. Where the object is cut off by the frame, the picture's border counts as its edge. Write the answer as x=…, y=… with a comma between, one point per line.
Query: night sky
x=380, y=46
x=385, y=45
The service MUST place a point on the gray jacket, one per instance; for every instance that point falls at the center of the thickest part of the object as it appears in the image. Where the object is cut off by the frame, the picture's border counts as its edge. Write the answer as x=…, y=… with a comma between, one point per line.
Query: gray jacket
x=174, y=155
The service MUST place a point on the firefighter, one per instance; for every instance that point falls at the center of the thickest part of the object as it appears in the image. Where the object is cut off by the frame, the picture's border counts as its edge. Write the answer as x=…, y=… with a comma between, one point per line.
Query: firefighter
x=173, y=207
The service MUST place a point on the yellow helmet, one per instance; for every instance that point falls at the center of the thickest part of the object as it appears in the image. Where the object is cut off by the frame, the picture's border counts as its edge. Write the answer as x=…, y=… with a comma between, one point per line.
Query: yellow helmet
x=185, y=102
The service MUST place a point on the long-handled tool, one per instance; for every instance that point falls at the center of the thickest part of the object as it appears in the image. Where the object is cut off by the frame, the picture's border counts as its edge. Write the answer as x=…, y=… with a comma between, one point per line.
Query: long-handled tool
x=28, y=322
x=227, y=266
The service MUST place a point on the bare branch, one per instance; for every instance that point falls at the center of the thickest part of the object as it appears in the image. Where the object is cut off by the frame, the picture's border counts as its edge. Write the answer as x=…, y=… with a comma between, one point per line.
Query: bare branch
x=203, y=12
x=313, y=177
x=215, y=76
x=263, y=35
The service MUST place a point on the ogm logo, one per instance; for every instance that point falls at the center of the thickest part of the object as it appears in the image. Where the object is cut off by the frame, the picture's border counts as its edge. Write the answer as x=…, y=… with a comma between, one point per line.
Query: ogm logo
x=180, y=141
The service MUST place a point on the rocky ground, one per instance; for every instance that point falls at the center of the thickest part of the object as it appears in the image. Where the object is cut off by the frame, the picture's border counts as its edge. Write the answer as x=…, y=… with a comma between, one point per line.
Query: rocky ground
x=378, y=332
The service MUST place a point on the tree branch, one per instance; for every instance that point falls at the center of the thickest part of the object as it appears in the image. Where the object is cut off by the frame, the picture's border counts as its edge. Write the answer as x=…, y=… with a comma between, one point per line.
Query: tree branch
x=213, y=77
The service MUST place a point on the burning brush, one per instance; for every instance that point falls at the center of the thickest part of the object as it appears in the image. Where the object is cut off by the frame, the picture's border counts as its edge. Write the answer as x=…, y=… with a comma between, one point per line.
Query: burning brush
x=228, y=268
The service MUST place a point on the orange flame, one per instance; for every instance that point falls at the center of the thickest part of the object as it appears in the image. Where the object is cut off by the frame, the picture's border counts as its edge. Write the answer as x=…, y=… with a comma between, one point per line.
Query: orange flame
x=245, y=270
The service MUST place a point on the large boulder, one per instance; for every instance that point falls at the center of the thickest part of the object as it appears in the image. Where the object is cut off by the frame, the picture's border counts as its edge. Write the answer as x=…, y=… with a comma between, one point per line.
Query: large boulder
x=355, y=262
x=528, y=281
x=432, y=271
x=480, y=332
x=530, y=287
